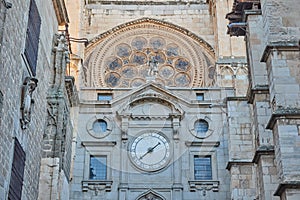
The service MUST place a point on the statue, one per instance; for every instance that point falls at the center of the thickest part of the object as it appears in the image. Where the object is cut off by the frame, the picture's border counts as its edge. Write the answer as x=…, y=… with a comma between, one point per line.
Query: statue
x=153, y=67
x=27, y=102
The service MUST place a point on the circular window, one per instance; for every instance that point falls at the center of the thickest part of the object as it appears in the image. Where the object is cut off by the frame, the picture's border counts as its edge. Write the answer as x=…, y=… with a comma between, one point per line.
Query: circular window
x=201, y=127
x=100, y=126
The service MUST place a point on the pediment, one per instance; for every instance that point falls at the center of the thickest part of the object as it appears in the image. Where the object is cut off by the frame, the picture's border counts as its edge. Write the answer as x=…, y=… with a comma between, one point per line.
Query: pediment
x=150, y=195
x=152, y=101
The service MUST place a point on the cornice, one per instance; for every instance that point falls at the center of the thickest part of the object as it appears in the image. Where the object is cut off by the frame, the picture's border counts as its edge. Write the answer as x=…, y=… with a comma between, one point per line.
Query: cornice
x=286, y=185
x=237, y=162
x=256, y=90
x=286, y=113
x=279, y=46
x=263, y=150
x=202, y=143
x=99, y=143
x=61, y=12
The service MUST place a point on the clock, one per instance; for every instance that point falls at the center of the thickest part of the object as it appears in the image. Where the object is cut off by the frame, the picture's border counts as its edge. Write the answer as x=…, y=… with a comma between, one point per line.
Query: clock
x=150, y=151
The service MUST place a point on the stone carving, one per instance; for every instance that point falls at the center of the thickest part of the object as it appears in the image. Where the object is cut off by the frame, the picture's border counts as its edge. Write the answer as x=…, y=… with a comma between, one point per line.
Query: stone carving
x=27, y=102
x=137, y=45
x=150, y=195
x=61, y=51
x=153, y=67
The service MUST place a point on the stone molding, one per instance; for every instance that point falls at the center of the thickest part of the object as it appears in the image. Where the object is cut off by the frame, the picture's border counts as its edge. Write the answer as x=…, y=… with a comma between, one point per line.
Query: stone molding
x=204, y=186
x=261, y=151
x=282, y=187
x=202, y=144
x=283, y=113
x=150, y=195
x=279, y=46
x=256, y=90
x=153, y=2
x=99, y=143
x=237, y=162
x=96, y=186
x=61, y=12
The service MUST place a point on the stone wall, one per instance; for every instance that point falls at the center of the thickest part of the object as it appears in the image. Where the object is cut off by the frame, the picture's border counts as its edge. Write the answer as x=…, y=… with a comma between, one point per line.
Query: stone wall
x=101, y=17
x=281, y=22
x=241, y=150
x=13, y=72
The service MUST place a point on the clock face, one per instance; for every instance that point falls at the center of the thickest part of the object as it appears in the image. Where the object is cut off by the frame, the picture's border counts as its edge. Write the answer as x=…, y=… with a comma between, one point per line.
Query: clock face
x=150, y=151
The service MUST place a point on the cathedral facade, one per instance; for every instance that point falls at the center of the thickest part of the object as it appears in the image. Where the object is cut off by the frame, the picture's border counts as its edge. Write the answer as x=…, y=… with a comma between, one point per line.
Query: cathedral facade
x=175, y=106
x=177, y=100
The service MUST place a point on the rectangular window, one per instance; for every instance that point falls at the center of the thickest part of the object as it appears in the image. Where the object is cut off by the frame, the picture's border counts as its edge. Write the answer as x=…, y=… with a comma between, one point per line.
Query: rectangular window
x=1, y=103
x=32, y=37
x=104, y=97
x=98, y=170
x=202, y=167
x=17, y=173
x=200, y=96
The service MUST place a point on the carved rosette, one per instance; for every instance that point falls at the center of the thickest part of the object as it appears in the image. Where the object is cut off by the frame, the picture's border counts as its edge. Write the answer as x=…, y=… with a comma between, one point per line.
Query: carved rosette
x=148, y=49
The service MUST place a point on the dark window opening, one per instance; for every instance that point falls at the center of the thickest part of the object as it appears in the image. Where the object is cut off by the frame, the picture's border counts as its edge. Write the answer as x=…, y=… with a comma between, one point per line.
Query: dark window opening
x=200, y=96
x=1, y=104
x=201, y=126
x=100, y=126
x=32, y=37
x=17, y=173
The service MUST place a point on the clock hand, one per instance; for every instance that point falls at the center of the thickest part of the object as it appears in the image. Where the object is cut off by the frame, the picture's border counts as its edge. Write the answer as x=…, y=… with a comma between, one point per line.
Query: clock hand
x=150, y=149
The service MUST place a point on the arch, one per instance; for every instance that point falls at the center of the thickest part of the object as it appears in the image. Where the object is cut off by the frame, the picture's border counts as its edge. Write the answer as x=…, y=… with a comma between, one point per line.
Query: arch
x=153, y=98
x=150, y=195
x=124, y=56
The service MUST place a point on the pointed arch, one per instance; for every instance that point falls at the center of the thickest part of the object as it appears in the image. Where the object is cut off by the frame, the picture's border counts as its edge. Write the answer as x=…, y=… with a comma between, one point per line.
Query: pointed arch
x=120, y=57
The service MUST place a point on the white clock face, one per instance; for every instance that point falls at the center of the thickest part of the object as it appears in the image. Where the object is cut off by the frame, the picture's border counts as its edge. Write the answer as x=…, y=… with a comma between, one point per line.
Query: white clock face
x=150, y=151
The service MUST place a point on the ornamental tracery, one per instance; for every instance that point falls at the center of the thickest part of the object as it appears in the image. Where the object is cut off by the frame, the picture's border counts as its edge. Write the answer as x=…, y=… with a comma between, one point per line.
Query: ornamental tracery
x=133, y=55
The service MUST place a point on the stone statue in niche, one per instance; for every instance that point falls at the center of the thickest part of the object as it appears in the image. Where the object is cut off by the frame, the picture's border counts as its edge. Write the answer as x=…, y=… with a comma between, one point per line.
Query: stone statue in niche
x=27, y=102
x=153, y=67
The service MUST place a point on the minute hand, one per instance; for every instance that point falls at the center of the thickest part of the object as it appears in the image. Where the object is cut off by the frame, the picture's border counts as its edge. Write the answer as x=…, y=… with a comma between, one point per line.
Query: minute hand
x=149, y=150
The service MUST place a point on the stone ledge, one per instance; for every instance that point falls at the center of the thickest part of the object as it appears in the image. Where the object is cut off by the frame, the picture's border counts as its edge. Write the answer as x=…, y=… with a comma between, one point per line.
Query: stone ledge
x=257, y=89
x=131, y=2
x=96, y=185
x=202, y=144
x=204, y=185
x=286, y=185
x=99, y=144
x=279, y=46
x=263, y=150
x=236, y=99
x=237, y=162
x=284, y=113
